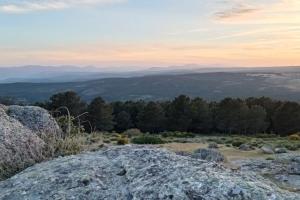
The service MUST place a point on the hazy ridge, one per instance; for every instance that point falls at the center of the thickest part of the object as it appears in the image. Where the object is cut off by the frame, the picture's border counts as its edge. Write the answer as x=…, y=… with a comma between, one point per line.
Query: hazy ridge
x=278, y=83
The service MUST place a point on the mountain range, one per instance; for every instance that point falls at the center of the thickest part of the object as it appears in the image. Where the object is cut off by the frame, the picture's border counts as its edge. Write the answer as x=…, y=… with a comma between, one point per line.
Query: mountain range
x=210, y=84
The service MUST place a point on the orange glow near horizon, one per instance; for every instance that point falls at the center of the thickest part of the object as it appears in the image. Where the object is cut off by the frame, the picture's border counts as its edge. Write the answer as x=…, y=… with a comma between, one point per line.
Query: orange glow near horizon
x=248, y=34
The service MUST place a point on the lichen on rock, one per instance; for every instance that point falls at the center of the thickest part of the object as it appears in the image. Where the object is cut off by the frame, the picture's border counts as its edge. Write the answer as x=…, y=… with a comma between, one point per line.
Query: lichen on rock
x=137, y=172
x=35, y=118
x=20, y=144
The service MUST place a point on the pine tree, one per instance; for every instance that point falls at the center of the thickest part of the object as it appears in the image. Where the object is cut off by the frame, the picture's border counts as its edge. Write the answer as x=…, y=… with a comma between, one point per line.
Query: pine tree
x=100, y=115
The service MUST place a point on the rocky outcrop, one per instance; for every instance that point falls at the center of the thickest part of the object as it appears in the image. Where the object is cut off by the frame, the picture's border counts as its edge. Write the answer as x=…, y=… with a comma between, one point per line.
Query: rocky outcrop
x=137, y=172
x=35, y=118
x=20, y=144
x=284, y=170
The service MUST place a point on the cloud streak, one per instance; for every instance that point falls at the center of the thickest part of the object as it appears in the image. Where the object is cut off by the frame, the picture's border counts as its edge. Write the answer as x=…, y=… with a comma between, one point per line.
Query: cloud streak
x=237, y=8
x=44, y=5
x=235, y=11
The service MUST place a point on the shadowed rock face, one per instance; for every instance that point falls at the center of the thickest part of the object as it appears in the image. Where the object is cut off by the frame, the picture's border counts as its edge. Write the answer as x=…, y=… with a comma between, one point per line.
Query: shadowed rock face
x=137, y=172
x=20, y=144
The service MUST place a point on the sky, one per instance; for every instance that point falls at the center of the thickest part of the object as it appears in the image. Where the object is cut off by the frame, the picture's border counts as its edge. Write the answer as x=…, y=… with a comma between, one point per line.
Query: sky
x=144, y=33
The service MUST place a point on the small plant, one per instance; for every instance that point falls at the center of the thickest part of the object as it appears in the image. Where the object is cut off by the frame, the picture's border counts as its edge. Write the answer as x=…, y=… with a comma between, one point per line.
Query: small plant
x=147, y=139
x=69, y=146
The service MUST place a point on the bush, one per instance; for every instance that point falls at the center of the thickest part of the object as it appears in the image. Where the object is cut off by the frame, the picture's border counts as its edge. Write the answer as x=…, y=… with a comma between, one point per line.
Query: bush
x=265, y=135
x=217, y=140
x=295, y=137
x=256, y=143
x=288, y=145
x=107, y=141
x=147, y=139
x=237, y=143
x=133, y=132
x=63, y=123
x=178, y=134
x=122, y=140
x=69, y=146
x=228, y=141
x=292, y=147
x=213, y=145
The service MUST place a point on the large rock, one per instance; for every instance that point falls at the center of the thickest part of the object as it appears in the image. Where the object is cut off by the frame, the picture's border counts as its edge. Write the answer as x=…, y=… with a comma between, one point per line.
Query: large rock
x=35, y=118
x=20, y=144
x=134, y=173
x=267, y=149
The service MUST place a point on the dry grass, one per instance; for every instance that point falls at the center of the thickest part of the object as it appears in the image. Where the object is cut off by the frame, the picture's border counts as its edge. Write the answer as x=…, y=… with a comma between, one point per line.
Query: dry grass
x=230, y=152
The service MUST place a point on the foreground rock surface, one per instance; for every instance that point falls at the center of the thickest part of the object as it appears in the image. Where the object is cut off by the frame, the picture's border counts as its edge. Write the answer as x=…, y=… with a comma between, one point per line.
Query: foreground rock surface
x=20, y=144
x=137, y=172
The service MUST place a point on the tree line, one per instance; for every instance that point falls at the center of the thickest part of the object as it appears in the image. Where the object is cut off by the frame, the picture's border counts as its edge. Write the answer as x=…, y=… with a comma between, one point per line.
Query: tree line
x=229, y=116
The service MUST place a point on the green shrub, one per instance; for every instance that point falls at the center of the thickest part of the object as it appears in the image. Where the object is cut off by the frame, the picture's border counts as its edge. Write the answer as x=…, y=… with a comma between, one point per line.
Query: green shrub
x=266, y=135
x=107, y=141
x=63, y=123
x=216, y=140
x=228, y=141
x=288, y=145
x=256, y=143
x=292, y=147
x=147, y=139
x=178, y=134
x=237, y=143
x=133, y=132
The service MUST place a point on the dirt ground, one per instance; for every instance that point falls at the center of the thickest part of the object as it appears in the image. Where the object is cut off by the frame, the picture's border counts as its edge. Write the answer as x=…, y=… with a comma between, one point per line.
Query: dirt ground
x=231, y=153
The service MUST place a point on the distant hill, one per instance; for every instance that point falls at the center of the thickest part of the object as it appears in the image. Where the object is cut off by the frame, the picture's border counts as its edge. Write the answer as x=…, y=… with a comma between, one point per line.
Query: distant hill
x=211, y=86
x=53, y=74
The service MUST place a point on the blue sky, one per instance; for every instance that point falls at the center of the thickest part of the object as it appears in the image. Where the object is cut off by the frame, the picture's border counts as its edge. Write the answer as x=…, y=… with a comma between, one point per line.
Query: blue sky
x=146, y=33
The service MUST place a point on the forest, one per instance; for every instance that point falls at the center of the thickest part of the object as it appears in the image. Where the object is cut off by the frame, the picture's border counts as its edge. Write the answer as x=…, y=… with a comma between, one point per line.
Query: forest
x=196, y=115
